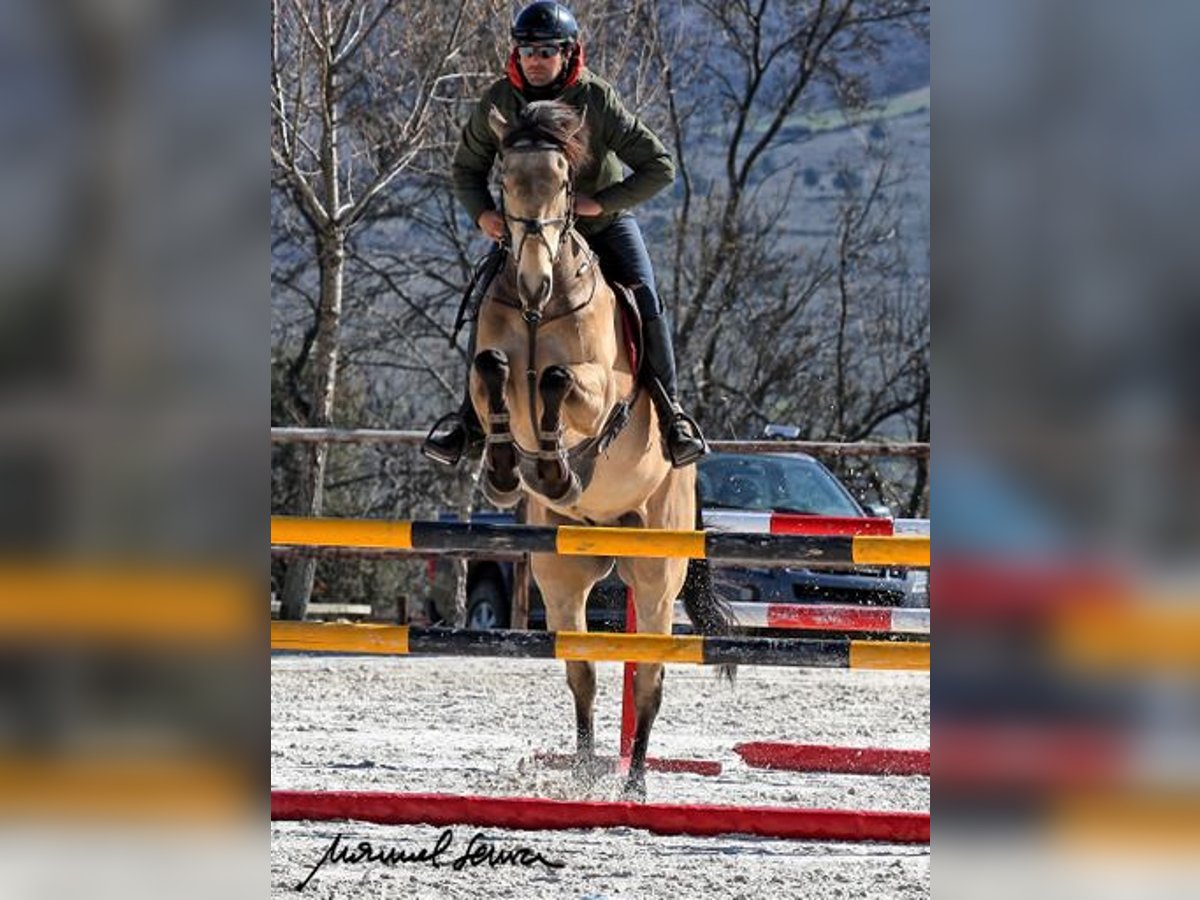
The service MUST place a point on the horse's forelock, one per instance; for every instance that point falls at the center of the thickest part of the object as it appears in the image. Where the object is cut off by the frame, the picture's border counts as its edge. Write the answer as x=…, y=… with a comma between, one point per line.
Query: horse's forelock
x=551, y=121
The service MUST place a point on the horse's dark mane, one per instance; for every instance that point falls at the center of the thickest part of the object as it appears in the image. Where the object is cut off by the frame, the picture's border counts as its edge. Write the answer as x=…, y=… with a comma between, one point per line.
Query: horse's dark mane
x=555, y=122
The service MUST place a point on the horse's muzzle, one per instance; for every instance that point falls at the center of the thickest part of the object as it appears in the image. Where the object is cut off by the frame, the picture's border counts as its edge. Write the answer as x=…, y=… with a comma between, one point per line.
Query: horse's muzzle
x=537, y=294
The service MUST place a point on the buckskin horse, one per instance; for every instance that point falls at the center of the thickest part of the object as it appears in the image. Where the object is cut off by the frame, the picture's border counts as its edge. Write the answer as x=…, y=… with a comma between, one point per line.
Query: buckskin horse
x=568, y=425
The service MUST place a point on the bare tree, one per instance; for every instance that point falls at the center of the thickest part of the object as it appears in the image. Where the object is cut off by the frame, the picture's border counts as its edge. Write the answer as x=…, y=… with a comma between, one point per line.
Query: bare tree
x=352, y=84
x=799, y=306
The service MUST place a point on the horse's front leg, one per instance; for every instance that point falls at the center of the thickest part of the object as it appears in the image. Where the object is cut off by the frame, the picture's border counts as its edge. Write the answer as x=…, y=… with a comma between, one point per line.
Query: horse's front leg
x=655, y=583
x=502, y=483
x=556, y=480
x=565, y=583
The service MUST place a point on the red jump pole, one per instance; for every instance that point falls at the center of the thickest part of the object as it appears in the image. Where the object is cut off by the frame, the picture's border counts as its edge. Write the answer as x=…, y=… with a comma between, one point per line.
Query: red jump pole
x=628, y=708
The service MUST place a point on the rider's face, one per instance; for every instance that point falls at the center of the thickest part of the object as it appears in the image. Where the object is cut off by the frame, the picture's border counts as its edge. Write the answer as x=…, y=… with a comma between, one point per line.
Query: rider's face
x=540, y=70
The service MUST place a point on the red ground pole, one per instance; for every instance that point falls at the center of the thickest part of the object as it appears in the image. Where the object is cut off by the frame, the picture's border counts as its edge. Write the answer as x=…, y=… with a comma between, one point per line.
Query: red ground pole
x=846, y=760
x=658, y=818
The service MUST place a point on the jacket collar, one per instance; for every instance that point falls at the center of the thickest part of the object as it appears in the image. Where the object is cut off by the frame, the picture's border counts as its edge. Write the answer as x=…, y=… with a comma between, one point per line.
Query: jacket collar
x=570, y=77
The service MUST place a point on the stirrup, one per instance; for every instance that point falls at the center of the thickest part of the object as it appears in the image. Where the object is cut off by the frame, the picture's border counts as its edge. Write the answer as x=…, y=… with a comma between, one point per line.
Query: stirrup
x=691, y=454
x=447, y=457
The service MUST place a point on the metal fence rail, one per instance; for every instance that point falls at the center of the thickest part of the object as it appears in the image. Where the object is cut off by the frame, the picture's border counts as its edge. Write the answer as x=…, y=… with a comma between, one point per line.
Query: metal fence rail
x=414, y=438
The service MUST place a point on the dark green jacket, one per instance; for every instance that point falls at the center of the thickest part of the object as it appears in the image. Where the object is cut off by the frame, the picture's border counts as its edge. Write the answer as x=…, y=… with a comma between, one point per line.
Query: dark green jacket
x=616, y=136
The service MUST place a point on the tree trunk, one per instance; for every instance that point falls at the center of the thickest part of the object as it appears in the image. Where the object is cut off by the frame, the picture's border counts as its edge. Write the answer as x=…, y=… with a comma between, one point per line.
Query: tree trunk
x=331, y=249
x=298, y=583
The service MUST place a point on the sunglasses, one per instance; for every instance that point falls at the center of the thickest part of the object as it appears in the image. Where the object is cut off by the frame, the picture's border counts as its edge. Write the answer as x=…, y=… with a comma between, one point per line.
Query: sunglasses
x=543, y=51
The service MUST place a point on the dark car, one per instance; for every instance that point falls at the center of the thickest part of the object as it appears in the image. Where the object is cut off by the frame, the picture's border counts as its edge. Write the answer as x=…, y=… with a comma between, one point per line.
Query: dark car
x=791, y=483
x=785, y=483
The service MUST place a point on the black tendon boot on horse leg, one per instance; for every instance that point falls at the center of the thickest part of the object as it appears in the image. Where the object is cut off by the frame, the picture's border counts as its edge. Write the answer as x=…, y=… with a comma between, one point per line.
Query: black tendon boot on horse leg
x=681, y=435
x=501, y=483
x=558, y=482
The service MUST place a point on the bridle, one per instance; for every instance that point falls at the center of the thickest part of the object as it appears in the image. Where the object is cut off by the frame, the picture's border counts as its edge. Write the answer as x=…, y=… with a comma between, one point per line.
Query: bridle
x=536, y=227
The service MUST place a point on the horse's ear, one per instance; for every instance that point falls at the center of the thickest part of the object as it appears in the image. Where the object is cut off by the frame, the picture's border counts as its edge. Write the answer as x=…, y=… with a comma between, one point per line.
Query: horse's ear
x=582, y=121
x=498, y=123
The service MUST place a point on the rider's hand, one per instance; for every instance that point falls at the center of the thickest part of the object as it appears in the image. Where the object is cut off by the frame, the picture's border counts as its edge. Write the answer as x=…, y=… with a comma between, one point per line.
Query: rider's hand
x=586, y=206
x=491, y=223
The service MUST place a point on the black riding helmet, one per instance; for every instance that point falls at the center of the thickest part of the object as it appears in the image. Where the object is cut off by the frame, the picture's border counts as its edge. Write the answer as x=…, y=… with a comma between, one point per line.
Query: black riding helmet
x=544, y=21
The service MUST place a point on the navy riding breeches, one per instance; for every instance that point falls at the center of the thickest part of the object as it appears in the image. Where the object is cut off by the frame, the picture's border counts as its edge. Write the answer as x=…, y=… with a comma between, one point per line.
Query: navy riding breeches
x=623, y=259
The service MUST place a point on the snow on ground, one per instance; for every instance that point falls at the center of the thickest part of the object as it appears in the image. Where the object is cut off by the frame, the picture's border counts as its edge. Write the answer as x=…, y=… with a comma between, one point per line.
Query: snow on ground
x=471, y=726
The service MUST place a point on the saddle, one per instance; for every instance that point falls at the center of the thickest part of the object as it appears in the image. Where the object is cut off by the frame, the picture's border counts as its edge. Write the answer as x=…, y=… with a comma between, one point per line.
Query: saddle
x=631, y=327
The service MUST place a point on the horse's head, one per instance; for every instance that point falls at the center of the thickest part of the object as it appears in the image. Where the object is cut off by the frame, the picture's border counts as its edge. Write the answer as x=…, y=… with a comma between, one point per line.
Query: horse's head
x=540, y=154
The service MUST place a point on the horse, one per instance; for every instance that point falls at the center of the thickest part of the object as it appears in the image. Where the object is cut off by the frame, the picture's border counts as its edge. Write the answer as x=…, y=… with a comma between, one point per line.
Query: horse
x=568, y=426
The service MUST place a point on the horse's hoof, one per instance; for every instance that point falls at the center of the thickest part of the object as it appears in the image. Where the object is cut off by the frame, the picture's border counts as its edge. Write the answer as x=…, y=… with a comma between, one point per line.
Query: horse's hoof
x=572, y=492
x=503, y=498
x=635, y=788
x=588, y=770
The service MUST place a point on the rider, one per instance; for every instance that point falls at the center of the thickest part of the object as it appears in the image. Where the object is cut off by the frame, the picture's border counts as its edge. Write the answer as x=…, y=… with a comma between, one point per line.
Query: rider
x=547, y=63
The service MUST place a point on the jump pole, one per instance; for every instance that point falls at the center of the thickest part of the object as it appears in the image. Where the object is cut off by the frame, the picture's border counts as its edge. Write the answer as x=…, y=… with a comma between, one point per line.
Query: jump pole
x=579, y=540
x=401, y=640
x=531, y=814
x=823, y=617
x=842, y=760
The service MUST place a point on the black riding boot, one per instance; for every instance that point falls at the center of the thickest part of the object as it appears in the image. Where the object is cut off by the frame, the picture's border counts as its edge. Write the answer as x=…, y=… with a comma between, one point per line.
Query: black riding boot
x=681, y=435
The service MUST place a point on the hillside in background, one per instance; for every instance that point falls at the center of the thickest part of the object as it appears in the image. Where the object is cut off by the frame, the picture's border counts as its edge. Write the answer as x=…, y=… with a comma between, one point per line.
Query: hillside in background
x=831, y=153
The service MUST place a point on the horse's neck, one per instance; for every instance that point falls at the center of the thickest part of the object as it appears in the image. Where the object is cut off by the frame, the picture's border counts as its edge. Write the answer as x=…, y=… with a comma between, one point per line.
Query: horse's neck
x=577, y=277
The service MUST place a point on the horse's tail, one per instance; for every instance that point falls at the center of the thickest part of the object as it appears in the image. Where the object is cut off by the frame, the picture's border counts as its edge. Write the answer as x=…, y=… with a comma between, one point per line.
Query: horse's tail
x=709, y=611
